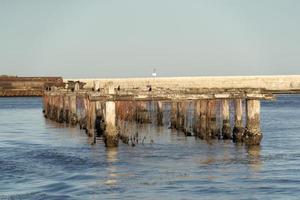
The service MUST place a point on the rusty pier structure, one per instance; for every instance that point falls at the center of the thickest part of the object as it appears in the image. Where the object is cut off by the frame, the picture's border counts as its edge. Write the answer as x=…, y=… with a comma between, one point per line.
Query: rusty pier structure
x=209, y=108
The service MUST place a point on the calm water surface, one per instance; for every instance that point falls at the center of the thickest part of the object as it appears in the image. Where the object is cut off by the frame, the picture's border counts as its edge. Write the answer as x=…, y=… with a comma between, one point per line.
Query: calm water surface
x=40, y=159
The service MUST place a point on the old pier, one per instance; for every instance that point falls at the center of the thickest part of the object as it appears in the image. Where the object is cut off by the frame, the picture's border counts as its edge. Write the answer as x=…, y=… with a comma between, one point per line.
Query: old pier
x=225, y=108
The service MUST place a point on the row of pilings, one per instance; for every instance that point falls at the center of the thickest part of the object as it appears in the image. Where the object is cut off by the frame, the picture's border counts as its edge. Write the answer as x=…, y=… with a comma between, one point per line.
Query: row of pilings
x=228, y=119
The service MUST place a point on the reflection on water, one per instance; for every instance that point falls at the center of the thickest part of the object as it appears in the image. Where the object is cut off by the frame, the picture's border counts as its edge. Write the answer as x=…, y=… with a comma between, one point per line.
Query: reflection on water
x=40, y=159
x=254, y=158
x=112, y=169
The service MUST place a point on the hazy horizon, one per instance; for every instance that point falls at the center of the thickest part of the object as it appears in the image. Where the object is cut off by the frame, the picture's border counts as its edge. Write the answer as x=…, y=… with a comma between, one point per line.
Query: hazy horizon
x=98, y=38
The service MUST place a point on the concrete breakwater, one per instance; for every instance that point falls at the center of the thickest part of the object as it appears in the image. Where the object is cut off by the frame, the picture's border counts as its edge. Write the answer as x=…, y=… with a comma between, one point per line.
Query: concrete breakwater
x=104, y=108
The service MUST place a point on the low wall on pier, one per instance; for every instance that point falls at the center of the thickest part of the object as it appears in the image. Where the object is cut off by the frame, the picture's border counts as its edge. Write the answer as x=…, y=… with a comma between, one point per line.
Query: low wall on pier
x=277, y=84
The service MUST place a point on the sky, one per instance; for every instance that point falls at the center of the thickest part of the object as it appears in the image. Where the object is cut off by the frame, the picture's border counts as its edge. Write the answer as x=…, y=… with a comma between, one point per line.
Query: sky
x=128, y=38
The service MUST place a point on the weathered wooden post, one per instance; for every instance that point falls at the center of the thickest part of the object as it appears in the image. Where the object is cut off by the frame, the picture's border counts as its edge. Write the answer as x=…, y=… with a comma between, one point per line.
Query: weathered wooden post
x=203, y=119
x=196, y=120
x=81, y=111
x=136, y=111
x=91, y=118
x=226, y=129
x=55, y=105
x=66, y=108
x=212, y=119
x=60, y=116
x=53, y=112
x=100, y=122
x=159, y=113
x=238, y=129
x=50, y=107
x=130, y=111
x=253, y=133
x=121, y=115
x=173, y=117
x=56, y=108
x=73, y=110
x=142, y=112
x=111, y=135
x=187, y=127
x=181, y=114
x=45, y=104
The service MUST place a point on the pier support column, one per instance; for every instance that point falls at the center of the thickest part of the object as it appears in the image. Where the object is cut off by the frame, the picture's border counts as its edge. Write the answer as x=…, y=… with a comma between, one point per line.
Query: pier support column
x=203, y=119
x=66, y=109
x=131, y=111
x=91, y=118
x=122, y=115
x=146, y=112
x=55, y=108
x=181, y=114
x=159, y=113
x=60, y=114
x=212, y=120
x=253, y=133
x=45, y=104
x=187, y=128
x=196, y=119
x=83, y=112
x=238, y=129
x=73, y=110
x=137, y=110
x=142, y=112
x=173, y=115
x=50, y=107
x=111, y=134
x=226, y=129
x=100, y=122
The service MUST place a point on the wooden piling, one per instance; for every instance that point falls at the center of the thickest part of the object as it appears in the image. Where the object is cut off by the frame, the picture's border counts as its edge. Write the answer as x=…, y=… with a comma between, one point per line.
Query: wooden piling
x=73, y=110
x=84, y=103
x=66, y=109
x=100, y=121
x=187, y=128
x=226, y=129
x=91, y=119
x=238, y=129
x=196, y=118
x=142, y=114
x=111, y=135
x=159, y=113
x=181, y=112
x=212, y=120
x=60, y=113
x=203, y=119
x=253, y=135
x=173, y=115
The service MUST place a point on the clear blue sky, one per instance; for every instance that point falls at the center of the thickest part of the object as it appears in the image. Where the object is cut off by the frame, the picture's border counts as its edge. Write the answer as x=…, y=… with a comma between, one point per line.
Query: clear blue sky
x=124, y=38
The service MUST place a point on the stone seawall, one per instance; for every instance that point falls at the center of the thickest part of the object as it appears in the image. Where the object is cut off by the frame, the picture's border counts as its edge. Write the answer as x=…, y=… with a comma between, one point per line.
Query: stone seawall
x=21, y=93
x=278, y=83
x=12, y=86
